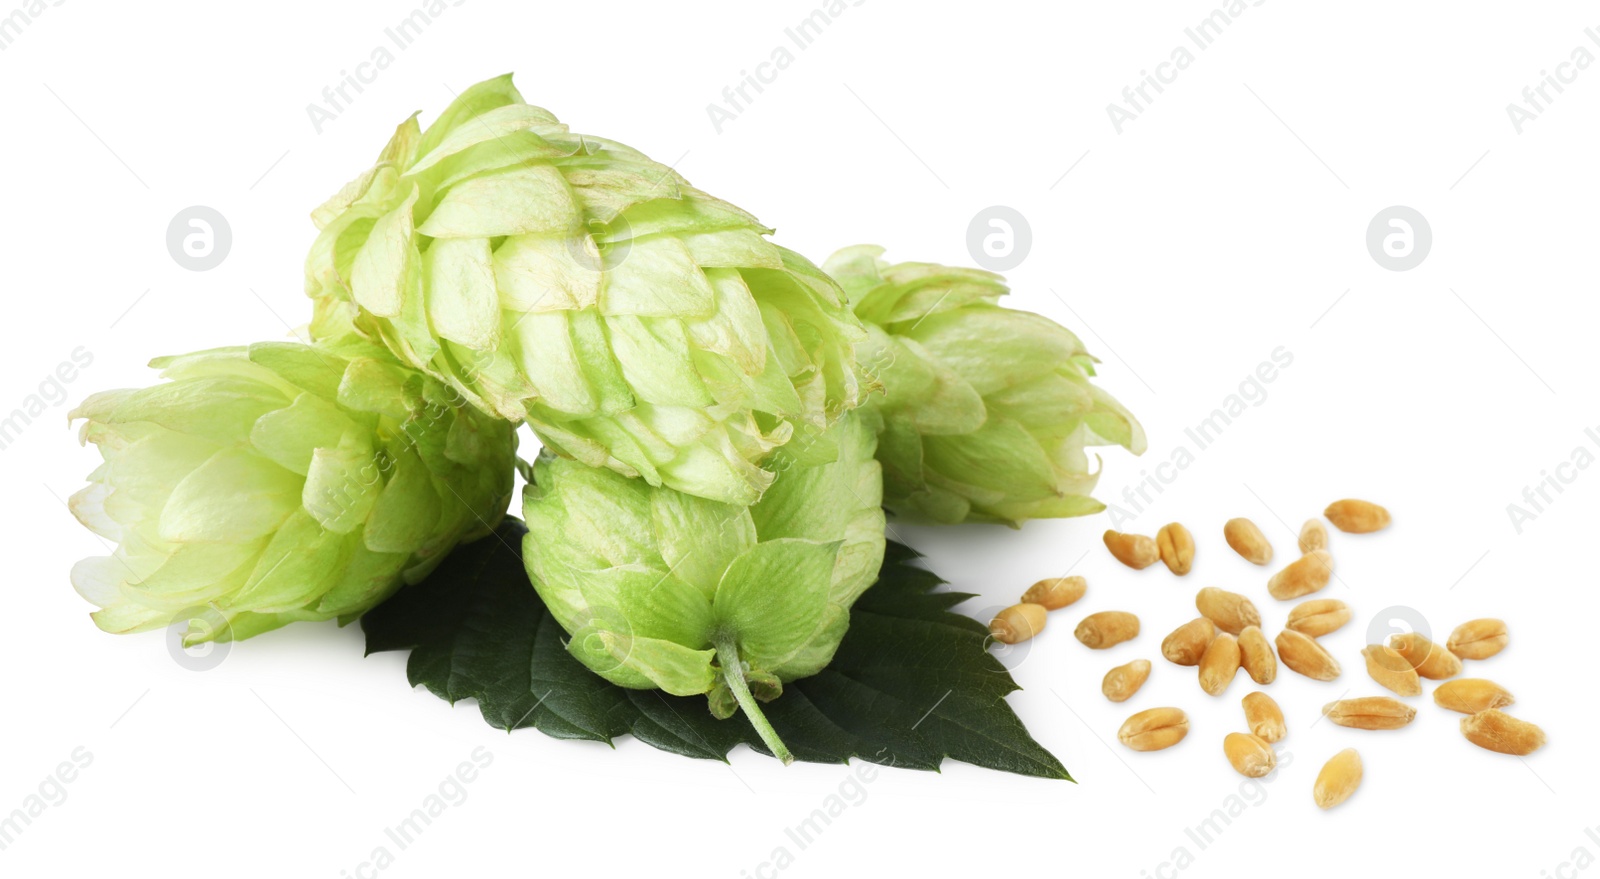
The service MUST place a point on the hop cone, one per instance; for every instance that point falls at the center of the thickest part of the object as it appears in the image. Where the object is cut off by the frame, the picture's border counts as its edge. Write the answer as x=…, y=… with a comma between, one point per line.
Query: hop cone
x=661, y=589
x=987, y=410
x=636, y=322
x=280, y=482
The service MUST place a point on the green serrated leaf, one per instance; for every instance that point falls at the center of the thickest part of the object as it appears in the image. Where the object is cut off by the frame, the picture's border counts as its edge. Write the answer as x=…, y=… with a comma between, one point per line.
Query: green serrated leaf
x=911, y=685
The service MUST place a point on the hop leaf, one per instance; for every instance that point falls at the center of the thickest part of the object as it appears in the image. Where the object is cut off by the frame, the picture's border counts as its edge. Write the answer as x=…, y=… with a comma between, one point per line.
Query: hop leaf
x=986, y=411
x=476, y=631
x=280, y=482
x=636, y=322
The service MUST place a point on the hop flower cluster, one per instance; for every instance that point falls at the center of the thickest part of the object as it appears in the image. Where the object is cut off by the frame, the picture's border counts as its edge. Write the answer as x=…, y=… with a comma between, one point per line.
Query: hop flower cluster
x=723, y=423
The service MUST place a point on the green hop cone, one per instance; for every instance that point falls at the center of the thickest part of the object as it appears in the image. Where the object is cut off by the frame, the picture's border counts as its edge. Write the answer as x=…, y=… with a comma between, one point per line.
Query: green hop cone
x=636, y=322
x=661, y=589
x=986, y=410
x=280, y=482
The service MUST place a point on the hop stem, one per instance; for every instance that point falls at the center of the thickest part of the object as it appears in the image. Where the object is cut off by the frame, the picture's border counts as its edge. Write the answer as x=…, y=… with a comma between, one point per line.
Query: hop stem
x=733, y=676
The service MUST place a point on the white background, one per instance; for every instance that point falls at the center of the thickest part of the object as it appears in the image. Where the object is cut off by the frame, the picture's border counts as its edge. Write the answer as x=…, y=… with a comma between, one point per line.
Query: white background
x=1184, y=250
